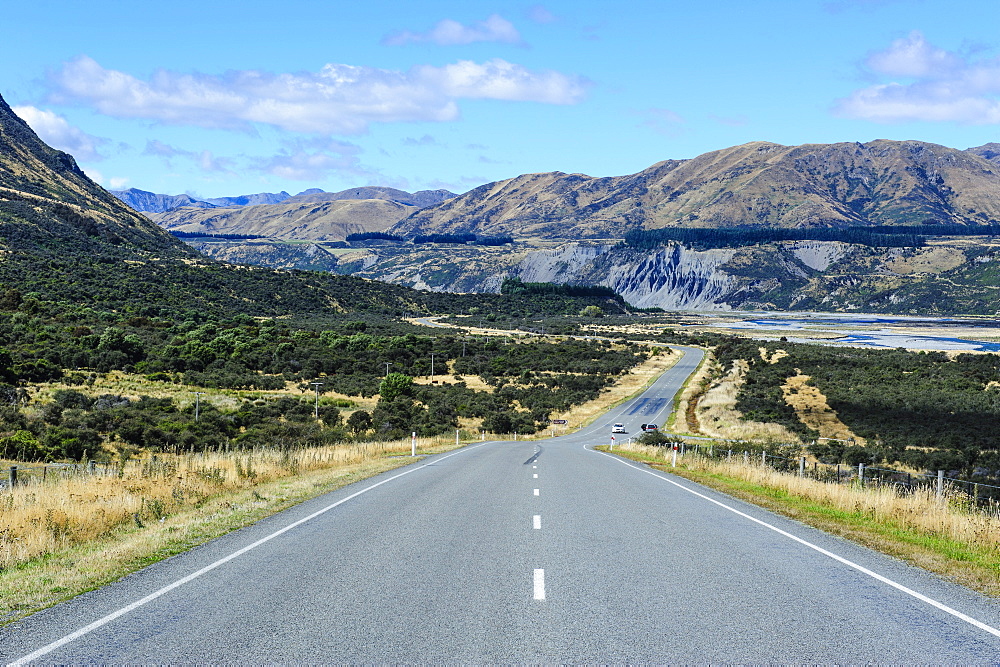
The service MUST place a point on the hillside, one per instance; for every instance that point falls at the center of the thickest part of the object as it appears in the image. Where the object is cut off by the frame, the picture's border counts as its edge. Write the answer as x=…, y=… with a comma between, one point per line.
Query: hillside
x=47, y=202
x=759, y=184
x=64, y=238
x=292, y=219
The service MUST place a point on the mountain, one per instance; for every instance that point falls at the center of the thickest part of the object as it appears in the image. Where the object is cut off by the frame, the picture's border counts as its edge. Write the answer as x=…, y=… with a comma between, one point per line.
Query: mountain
x=150, y=202
x=420, y=199
x=47, y=203
x=756, y=184
x=312, y=215
x=292, y=219
x=67, y=241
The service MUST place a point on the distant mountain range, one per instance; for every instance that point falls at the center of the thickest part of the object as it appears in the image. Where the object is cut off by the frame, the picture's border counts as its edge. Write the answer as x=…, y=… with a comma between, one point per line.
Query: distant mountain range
x=756, y=184
x=312, y=215
x=64, y=237
x=150, y=202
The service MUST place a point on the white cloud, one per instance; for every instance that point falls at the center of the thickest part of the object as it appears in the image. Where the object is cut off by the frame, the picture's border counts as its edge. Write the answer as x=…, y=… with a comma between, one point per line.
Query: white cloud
x=56, y=131
x=912, y=56
x=450, y=33
x=662, y=121
x=540, y=14
x=117, y=183
x=339, y=99
x=931, y=84
x=426, y=140
x=302, y=160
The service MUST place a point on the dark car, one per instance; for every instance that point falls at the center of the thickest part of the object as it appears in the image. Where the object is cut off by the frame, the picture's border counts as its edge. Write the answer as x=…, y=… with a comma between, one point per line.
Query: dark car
x=649, y=427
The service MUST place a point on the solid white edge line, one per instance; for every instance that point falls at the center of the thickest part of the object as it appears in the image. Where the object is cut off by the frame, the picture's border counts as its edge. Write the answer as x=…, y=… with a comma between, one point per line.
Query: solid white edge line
x=208, y=568
x=539, y=584
x=860, y=568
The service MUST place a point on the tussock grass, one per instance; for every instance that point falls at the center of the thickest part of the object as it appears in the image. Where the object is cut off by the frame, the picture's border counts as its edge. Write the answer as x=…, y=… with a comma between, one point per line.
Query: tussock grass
x=947, y=536
x=715, y=407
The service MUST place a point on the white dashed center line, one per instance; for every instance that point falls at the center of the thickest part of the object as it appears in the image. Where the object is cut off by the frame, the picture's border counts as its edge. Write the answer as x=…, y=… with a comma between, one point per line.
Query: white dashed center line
x=536, y=492
x=538, y=522
x=539, y=584
x=536, y=475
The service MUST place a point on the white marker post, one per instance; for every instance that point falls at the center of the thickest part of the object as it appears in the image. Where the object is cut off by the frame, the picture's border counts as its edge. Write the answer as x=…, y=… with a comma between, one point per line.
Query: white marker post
x=413, y=444
x=612, y=443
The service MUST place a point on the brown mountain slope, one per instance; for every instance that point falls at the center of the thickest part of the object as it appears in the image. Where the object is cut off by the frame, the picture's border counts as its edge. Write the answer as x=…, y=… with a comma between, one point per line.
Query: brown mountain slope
x=44, y=197
x=317, y=221
x=814, y=185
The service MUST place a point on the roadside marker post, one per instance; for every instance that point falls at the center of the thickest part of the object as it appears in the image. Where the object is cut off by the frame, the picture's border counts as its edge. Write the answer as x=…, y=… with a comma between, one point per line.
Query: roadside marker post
x=413, y=444
x=612, y=443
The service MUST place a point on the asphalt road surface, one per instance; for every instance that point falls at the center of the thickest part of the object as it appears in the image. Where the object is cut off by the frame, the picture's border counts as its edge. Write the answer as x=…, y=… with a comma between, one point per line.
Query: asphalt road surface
x=522, y=552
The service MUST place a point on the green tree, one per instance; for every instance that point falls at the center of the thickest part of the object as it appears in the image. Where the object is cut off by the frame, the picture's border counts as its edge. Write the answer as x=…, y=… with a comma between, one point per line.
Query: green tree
x=395, y=385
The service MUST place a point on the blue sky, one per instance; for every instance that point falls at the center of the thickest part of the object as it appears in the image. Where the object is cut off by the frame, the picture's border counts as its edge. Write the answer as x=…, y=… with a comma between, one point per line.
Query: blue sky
x=229, y=98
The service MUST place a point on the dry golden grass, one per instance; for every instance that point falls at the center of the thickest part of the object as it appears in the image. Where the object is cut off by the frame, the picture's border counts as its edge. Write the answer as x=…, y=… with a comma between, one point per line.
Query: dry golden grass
x=717, y=415
x=946, y=536
x=812, y=409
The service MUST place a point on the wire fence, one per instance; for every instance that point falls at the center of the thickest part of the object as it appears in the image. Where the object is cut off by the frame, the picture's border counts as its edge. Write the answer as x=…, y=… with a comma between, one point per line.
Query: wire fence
x=27, y=474
x=978, y=494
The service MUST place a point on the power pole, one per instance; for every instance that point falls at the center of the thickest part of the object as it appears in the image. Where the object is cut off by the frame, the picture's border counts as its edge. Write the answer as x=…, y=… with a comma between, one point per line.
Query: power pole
x=316, y=409
x=197, y=404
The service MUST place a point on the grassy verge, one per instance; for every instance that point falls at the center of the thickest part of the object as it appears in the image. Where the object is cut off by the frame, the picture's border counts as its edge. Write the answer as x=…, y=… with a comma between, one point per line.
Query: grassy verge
x=66, y=537
x=944, y=537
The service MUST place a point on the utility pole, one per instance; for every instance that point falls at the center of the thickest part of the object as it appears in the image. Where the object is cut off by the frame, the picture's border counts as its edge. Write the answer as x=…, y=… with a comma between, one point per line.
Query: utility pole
x=432, y=367
x=387, y=364
x=316, y=409
x=197, y=404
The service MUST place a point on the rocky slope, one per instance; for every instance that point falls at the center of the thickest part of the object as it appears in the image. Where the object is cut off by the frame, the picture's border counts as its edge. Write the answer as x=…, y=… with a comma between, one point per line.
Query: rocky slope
x=765, y=184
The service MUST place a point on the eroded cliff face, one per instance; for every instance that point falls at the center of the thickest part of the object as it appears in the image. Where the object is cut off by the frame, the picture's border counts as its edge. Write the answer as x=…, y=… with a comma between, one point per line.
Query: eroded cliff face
x=674, y=278
x=802, y=275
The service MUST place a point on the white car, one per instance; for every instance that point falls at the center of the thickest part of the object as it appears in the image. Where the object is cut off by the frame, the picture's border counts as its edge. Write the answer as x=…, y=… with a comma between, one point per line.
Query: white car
x=618, y=428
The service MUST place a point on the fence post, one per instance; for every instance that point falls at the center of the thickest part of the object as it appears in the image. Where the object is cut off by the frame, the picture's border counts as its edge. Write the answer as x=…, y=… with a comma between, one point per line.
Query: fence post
x=729, y=456
x=91, y=467
x=975, y=494
x=838, y=473
x=802, y=466
x=746, y=457
x=13, y=477
x=683, y=448
x=861, y=474
x=940, y=484
x=763, y=458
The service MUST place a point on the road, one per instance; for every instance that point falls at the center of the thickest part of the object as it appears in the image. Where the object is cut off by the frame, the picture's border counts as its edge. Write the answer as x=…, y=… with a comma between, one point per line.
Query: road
x=521, y=552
